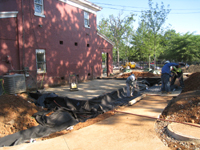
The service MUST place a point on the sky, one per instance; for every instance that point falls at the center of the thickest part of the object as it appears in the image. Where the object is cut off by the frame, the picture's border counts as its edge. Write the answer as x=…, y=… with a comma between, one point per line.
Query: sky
x=184, y=15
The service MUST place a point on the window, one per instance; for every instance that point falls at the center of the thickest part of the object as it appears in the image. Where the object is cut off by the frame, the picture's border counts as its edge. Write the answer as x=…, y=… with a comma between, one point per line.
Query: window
x=86, y=19
x=40, y=61
x=39, y=8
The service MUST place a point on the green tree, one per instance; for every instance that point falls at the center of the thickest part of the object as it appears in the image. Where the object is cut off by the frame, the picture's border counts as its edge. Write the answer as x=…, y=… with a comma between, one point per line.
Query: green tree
x=142, y=42
x=118, y=29
x=154, y=18
x=183, y=48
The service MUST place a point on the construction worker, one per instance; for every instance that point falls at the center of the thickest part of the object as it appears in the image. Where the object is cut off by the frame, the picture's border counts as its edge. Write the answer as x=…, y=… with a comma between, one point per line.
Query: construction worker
x=165, y=76
x=177, y=73
x=130, y=84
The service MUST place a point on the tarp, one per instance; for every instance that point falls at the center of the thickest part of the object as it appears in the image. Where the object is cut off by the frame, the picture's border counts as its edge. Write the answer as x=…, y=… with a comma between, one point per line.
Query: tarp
x=66, y=112
x=1, y=86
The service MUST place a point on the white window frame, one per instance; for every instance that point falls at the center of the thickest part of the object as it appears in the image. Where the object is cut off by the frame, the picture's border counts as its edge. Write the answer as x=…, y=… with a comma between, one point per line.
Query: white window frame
x=44, y=62
x=86, y=18
x=42, y=6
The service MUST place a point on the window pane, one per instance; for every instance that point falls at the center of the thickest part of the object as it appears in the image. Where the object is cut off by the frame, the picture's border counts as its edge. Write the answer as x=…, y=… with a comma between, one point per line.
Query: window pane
x=41, y=66
x=40, y=57
x=38, y=8
x=38, y=1
x=41, y=62
x=86, y=15
x=86, y=22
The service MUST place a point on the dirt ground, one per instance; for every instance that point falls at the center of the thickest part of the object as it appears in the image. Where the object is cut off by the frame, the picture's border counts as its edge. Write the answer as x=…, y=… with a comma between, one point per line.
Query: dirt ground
x=16, y=110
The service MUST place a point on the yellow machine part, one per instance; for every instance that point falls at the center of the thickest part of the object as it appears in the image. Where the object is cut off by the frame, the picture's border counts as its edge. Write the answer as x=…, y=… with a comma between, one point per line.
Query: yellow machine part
x=130, y=64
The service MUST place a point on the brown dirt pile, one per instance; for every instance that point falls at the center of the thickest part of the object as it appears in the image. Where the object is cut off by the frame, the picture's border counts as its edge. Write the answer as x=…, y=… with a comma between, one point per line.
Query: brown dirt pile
x=16, y=114
x=184, y=108
x=192, y=83
x=139, y=74
x=192, y=69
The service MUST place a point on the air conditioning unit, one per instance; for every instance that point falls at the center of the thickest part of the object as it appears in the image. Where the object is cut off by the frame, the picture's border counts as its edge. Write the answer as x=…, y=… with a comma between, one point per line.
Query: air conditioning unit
x=14, y=83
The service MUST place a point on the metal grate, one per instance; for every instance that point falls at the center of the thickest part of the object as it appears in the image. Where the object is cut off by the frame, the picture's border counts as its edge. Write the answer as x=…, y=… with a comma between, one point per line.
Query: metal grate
x=14, y=83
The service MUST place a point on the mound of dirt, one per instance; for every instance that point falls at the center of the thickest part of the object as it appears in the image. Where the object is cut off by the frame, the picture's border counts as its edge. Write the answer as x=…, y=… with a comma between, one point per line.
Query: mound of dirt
x=184, y=108
x=139, y=74
x=16, y=114
x=192, y=83
x=192, y=69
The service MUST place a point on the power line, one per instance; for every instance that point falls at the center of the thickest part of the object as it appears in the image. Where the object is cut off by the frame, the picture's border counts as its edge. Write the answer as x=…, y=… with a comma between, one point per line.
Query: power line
x=124, y=8
x=138, y=7
x=119, y=5
x=143, y=10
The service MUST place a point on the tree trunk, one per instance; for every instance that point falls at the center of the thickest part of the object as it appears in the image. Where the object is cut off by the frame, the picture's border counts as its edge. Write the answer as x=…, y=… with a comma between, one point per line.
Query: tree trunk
x=118, y=56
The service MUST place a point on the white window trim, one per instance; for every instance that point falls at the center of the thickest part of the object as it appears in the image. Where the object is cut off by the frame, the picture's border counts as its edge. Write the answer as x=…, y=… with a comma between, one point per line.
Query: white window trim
x=8, y=14
x=87, y=26
x=41, y=51
x=40, y=14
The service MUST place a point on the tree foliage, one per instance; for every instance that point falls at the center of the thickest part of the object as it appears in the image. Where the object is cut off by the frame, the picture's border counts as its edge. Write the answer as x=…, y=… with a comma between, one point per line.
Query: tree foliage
x=154, y=18
x=149, y=40
x=184, y=48
x=118, y=30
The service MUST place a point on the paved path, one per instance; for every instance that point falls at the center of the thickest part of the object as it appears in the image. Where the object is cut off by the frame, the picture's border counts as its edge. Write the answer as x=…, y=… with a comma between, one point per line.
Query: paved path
x=119, y=132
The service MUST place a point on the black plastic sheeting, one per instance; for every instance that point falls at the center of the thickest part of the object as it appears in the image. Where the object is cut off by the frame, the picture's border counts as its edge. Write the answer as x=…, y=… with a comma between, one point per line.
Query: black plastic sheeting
x=1, y=86
x=66, y=112
x=150, y=81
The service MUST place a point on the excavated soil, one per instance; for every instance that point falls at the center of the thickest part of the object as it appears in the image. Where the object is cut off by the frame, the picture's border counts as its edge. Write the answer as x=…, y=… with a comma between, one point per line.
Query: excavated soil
x=192, y=69
x=138, y=74
x=16, y=113
x=184, y=108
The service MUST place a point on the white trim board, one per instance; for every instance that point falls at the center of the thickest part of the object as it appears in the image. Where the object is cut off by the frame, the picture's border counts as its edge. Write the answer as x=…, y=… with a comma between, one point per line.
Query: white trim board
x=105, y=38
x=8, y=14
x=83, y=4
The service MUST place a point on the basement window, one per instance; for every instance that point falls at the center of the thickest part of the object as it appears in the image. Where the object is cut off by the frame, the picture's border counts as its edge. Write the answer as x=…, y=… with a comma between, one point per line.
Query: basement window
x=40, y=61
x=39, y=8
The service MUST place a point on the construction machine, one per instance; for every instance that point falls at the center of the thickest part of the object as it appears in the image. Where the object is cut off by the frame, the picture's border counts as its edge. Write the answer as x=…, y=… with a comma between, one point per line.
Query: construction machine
x=131, y=65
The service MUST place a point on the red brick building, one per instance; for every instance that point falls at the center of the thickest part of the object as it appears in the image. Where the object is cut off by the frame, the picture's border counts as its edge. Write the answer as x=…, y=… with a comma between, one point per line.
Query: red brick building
x=49, y=39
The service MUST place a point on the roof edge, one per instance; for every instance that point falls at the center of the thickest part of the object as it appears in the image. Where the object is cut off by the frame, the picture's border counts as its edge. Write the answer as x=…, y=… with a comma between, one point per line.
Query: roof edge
x=105, y=38
x=83, y=4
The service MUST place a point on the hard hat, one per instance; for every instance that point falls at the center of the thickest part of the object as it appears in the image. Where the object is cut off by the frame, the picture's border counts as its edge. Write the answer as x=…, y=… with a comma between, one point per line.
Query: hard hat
x=132, y=77
x=167, y=62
